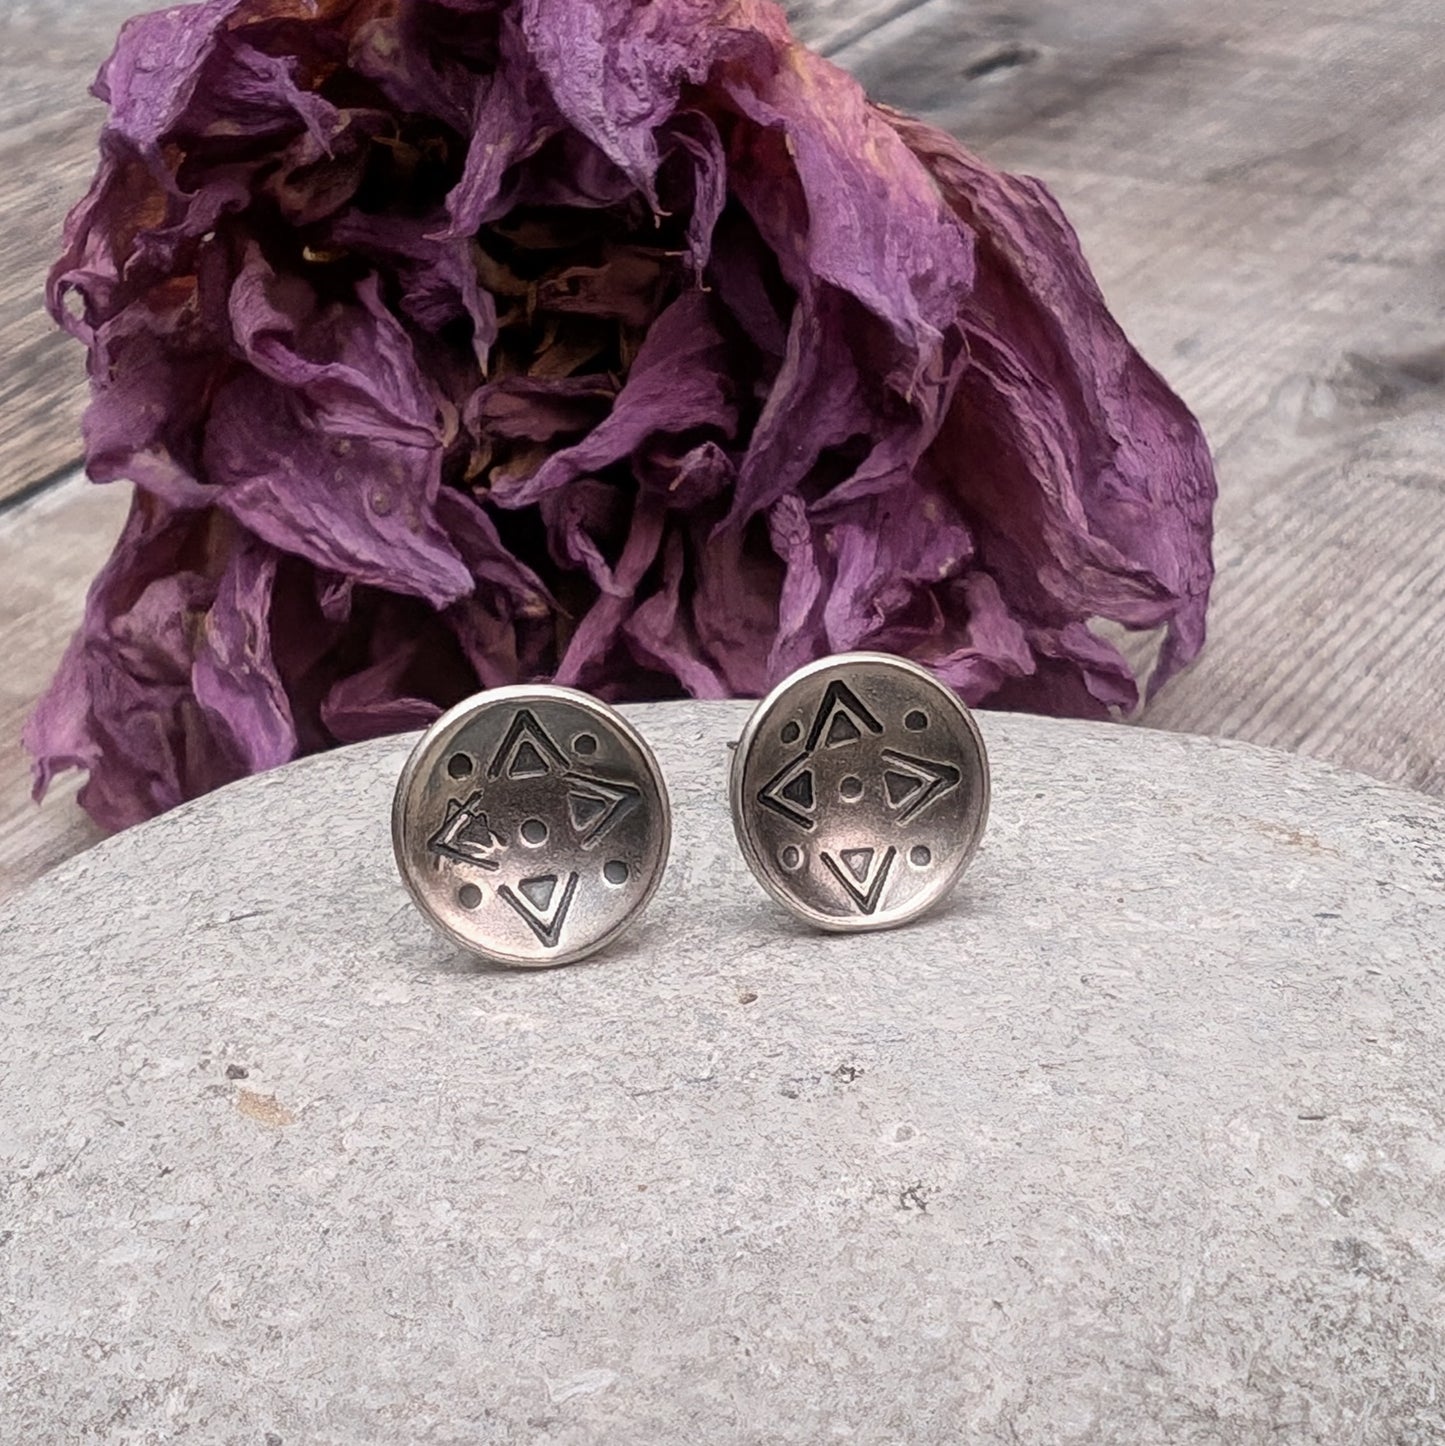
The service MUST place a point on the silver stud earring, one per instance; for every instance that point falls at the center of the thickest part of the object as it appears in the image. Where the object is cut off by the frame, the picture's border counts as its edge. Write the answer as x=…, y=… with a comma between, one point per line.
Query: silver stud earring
x=859, y=791
x=531, y=825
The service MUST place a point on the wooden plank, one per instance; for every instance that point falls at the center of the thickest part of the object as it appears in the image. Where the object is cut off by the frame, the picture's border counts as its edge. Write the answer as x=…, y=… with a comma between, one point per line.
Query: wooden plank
x=1259, y=189
x=829, y=26
x=48, y=54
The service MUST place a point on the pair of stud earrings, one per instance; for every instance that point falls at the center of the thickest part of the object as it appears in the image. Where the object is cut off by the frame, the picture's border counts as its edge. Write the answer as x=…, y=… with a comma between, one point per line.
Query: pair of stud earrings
x=531, y=825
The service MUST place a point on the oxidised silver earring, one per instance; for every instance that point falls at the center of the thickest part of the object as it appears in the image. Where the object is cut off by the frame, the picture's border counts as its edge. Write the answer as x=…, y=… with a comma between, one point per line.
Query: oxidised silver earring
x=859, y=791
x=531, y=825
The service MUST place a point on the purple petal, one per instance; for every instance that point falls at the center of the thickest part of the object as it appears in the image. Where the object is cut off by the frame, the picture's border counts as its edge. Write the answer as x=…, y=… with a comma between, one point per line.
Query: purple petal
x=234, y=677
x=152, y=78
x=658, y=634
x=1082, y=458
x=335, y=396
x=121, y=705
x=590, y=646
x=286, y=471
x=679, y=383
x=616, y=70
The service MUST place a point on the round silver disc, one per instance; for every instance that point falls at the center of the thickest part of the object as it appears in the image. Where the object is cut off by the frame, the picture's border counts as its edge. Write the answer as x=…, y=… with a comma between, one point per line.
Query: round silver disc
x=531, y=825
x=859, y=791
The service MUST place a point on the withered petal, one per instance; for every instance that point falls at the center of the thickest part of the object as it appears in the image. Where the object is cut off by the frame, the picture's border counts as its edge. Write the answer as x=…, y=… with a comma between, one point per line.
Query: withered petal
x=453, y=343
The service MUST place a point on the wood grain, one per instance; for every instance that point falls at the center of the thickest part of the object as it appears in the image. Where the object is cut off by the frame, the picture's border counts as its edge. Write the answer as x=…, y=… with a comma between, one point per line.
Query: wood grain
x=48, y=124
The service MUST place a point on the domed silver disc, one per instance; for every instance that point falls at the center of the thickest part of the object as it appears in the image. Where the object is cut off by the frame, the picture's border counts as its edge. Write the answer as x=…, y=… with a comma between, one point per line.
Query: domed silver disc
x=859, y=791
x=531, y=825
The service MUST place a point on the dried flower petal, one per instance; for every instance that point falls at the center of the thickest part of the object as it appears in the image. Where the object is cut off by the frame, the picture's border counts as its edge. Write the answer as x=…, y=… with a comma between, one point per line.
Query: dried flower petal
x=452, y=343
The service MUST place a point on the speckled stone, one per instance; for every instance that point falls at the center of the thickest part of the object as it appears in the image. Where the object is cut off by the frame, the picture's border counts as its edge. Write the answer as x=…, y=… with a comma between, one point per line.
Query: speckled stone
x=1142, y=1140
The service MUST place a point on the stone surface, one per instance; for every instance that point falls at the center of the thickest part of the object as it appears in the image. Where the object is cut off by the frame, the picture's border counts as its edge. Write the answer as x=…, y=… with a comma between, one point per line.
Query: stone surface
x=1139, y=1141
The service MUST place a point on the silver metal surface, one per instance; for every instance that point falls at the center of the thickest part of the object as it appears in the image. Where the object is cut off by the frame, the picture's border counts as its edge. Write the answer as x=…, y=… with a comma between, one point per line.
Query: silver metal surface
x=859, y=791
x=531, y=825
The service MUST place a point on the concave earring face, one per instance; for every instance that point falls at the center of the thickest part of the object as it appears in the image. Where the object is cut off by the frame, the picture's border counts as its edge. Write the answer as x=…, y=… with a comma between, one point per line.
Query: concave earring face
x=531, y=825
x=859, y=791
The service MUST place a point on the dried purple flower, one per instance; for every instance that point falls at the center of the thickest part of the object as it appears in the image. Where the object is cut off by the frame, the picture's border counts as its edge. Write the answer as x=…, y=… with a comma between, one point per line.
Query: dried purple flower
x=456, y=342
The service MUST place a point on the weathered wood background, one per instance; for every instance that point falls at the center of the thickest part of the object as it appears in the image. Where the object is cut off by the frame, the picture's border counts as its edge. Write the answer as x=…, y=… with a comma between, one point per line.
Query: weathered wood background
x=1260, y=185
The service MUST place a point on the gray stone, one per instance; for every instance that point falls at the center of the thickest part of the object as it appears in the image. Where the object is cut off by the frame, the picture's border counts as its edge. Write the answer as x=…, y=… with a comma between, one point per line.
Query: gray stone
x=1139, y=1141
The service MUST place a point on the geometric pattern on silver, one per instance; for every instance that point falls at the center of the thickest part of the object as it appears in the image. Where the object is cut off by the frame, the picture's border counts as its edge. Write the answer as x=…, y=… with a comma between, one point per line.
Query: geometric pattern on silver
x=531, y=825
x=859, y=791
